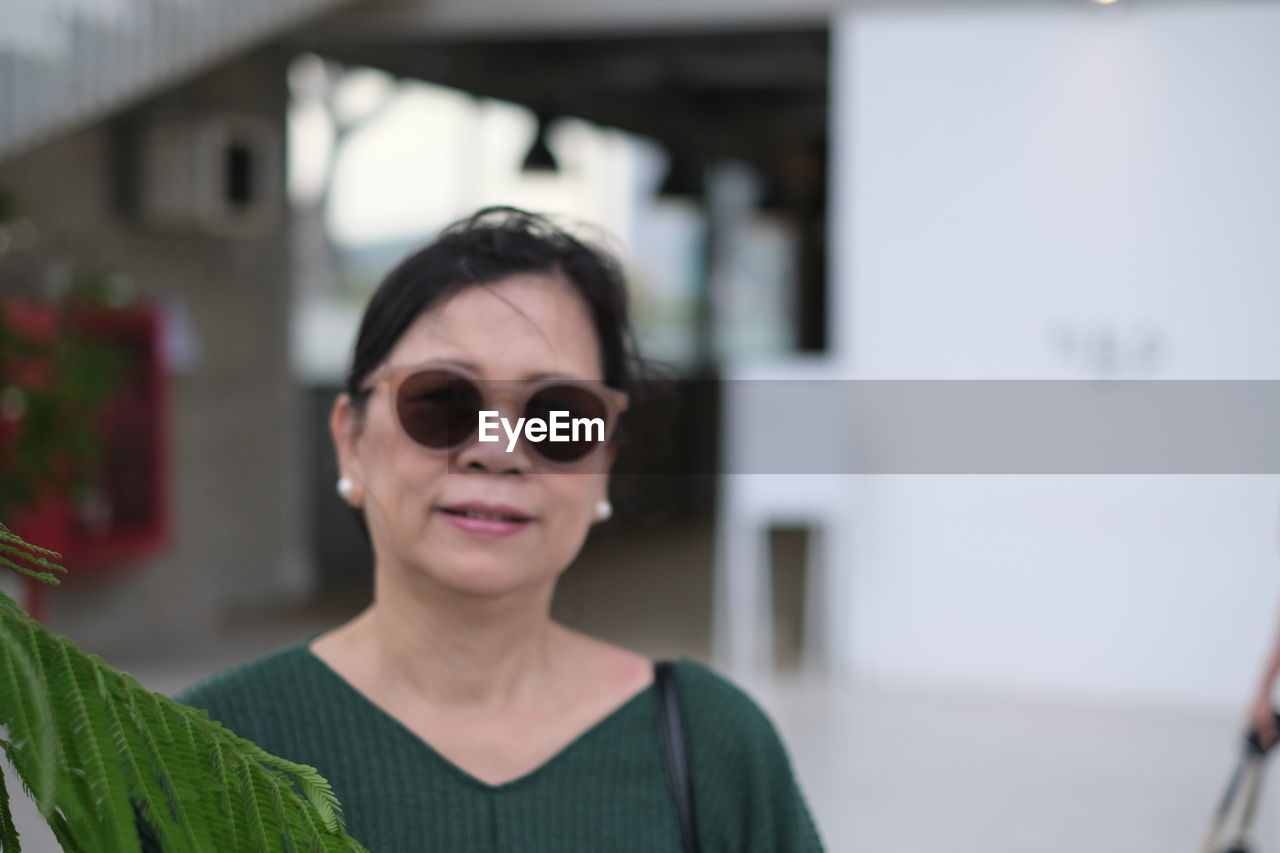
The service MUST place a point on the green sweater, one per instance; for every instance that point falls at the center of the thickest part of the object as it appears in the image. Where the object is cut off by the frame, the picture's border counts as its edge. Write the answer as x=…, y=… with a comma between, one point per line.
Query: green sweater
x=604, y=793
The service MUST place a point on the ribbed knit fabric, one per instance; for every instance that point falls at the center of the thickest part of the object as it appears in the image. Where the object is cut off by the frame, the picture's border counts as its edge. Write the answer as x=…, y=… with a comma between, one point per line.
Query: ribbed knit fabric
x=604, y=793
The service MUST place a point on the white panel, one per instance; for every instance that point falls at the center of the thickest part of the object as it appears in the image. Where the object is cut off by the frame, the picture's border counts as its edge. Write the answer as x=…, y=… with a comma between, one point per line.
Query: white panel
x=1008, y=181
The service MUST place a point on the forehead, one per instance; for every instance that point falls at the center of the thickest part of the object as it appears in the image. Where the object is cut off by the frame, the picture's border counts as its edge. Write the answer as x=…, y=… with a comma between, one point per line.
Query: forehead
x=520, y=326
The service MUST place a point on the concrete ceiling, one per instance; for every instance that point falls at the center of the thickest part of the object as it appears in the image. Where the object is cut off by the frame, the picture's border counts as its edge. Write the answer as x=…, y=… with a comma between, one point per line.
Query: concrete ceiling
x=410, y=19
x=748, y=93
x=716, y=78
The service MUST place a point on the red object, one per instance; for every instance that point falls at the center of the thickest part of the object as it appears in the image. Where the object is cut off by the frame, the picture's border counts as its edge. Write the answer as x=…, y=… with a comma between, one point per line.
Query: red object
x=131, y=517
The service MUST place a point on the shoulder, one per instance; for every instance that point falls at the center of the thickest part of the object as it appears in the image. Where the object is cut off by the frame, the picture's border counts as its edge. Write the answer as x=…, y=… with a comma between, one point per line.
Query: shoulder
x=266, y=672
x=730, y=735
x=746, y=794
x=714, y=704
x=244, y=696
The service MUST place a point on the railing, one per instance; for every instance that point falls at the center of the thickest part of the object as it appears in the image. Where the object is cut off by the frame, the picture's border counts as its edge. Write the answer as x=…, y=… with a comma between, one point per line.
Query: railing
x=67, y=62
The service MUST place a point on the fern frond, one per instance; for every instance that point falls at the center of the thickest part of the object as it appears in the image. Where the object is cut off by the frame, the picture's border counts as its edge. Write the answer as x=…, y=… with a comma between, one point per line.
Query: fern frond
x=13, y=538
x=204, y=810
x=62, y=832
x=8, y=831
x=116, y=768
x=14, y=548
x=72, y=789
x=221, y=769
x=150, y=732
x=314, y=787
x=251, y=801
x=7, y=535
x=91, y=738
x=24, y=698
x=8, y=553
x=9, y=752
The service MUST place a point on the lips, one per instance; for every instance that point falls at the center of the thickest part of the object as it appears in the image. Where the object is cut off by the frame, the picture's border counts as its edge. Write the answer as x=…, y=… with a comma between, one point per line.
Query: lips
x=486, y=521
x=478, y=511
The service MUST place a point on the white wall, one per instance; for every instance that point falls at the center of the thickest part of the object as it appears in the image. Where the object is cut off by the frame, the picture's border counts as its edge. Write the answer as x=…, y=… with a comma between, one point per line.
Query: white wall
x=1012, y=180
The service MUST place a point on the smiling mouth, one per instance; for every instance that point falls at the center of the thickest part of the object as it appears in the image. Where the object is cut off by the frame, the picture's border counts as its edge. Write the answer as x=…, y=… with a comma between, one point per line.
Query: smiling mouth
x=486, y=516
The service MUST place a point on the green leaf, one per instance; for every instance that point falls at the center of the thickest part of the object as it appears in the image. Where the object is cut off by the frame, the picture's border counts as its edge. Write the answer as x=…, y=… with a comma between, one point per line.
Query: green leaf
x=8, y=832
x=102, y=756
x=25, y=709
x=62, y=832
x=89, y=736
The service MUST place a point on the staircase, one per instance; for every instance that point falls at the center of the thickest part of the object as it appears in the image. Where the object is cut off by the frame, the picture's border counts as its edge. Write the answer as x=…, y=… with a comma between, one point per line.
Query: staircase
x=65, y=63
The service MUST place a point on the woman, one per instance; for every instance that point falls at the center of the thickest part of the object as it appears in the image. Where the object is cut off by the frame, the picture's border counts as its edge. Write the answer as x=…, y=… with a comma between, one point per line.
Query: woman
x=453, y=714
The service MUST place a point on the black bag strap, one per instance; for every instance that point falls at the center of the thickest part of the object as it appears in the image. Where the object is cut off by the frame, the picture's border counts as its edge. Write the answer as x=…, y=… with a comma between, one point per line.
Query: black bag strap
x=674, y=751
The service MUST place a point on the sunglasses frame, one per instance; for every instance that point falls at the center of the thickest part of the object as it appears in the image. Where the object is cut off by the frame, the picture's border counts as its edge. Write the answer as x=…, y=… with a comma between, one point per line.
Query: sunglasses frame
x=615, y=401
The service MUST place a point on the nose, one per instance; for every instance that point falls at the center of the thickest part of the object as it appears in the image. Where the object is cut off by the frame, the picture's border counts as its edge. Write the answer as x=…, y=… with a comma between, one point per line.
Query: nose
x=493, y=457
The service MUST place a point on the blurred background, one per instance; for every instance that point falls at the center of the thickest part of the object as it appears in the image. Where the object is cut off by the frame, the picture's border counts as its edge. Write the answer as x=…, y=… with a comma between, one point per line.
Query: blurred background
x=198, y=196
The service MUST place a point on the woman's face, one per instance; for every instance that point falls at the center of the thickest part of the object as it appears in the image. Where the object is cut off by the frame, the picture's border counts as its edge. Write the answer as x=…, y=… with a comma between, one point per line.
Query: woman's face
x=522, y=327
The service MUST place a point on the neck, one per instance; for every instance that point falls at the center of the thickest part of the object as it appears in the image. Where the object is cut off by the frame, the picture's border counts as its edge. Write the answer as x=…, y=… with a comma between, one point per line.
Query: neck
x=459, y=650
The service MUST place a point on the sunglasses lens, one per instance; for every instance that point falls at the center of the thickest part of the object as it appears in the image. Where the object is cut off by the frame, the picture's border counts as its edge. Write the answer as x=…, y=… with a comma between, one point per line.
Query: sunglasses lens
x=438, y=409
x=584, y=414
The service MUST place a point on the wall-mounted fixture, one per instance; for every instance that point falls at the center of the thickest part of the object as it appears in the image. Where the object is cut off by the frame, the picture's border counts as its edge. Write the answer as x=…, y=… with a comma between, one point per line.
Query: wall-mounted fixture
x=540, y=158
x=215, y=173
x=684, y=179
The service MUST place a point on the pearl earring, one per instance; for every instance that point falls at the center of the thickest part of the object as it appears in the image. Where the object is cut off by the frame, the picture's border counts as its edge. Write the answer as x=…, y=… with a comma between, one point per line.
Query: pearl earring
x=345, y=487
x=604, y=510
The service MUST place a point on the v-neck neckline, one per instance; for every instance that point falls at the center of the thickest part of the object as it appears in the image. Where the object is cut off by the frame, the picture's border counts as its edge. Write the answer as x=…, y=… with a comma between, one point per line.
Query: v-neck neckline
x=402, y=730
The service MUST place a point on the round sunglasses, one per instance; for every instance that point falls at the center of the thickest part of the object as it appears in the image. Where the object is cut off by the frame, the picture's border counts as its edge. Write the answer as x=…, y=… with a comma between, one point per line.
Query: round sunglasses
x=440, y=406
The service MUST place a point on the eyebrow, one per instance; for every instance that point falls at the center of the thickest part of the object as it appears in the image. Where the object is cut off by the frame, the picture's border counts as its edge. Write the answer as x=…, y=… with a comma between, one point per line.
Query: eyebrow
x=532, y=377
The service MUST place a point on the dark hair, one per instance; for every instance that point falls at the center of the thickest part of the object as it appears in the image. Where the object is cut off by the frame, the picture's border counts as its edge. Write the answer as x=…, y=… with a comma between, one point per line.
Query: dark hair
x=490, y=245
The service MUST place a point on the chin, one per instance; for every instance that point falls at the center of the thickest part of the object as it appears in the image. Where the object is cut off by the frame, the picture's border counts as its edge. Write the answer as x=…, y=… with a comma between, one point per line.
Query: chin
x=485, y=576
